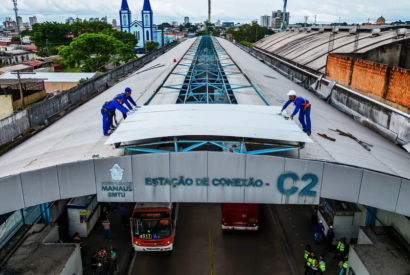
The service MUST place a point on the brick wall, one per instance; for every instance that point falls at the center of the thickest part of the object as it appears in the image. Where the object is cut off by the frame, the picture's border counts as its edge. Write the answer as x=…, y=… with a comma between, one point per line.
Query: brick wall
x=399, y=86
x=369, y=76
x=390, y=83
x=338, y=67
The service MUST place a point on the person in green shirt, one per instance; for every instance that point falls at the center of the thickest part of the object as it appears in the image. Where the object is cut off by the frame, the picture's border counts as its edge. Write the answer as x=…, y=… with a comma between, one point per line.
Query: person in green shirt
x=113, y=261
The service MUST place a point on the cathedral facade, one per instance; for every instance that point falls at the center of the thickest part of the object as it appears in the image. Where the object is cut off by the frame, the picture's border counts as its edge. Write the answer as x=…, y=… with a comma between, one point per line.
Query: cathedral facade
x=144, y=30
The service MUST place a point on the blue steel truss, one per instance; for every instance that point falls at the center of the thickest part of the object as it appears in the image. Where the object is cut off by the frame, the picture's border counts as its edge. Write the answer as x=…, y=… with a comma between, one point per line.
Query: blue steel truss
x=206, y=82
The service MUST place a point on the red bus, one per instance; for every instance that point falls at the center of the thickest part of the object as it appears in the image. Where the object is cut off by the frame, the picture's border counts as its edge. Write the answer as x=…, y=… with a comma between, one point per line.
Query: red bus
x=240, y=216
x=153, y=226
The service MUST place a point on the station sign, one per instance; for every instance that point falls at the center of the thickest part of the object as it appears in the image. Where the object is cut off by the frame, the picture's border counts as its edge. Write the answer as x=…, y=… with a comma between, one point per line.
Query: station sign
x=311, y=182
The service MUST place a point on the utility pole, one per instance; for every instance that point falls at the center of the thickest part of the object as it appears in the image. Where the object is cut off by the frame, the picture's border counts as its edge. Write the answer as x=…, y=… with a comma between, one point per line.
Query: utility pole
x=209, y=11
x=21, y=91
x=315, y=19
x=306, y=19
x=17, y=20
x=339, y=20
x=47, y=47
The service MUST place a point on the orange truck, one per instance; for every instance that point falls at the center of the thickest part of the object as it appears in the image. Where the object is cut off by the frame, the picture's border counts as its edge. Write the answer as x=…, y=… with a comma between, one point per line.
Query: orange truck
x=153, y=226
x=240, y=216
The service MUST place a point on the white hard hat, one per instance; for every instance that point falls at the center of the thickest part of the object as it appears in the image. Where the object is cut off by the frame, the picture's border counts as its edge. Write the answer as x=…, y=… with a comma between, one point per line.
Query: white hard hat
x=321, y=222
x=331, y=226
x=292, y=92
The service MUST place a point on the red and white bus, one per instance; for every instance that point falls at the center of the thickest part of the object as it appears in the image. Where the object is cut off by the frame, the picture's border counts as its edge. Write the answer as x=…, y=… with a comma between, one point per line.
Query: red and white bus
x=153, y=226
x=240, y=216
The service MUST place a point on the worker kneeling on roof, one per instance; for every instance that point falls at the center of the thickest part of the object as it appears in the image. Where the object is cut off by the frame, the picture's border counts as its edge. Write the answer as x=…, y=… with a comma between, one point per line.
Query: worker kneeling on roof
x=303, y=106
x=108, y=112
x=127, y=98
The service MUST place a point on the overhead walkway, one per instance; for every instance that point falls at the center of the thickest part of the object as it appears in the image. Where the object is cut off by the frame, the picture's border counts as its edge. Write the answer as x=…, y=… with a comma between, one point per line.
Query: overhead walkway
x=70, y=158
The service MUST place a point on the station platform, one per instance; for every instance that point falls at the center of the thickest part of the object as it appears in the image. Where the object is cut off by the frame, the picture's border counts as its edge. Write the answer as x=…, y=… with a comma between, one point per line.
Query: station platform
x=121, y=240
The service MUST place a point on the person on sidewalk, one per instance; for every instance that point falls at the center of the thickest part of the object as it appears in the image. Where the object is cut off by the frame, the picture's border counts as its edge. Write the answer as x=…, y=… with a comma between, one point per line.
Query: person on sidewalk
x=302, y=105
x=320, y=266
x=77, y=239
x=94, y=262
x=124, y=215
x=344, y=266
x=329, y=238
x=311, y=261
x=319, y=230
x=113, y=261
x=307, y=253
x=340, y=249
x=107, y=229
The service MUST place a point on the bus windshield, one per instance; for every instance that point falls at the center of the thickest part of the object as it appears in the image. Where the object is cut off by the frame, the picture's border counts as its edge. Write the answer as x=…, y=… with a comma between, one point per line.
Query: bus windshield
x=152, y=229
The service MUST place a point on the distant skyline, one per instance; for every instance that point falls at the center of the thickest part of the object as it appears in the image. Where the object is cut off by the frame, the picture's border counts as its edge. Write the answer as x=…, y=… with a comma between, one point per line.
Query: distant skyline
x=227, y=10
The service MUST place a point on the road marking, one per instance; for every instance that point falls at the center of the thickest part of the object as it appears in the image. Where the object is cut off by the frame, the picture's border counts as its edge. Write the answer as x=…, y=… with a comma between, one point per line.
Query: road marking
x=134, y=257
x=211, y=253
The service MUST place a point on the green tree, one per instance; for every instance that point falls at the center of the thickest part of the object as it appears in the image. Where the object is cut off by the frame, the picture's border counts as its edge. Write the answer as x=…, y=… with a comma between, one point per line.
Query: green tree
x=52, y=34
x=93, y=51
x=181, y=28
x=150, y=46
x=25, y=33
x=15, y=39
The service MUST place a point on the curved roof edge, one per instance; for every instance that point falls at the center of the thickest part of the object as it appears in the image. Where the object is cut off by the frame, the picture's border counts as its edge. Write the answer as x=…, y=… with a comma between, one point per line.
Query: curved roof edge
x=212, y=177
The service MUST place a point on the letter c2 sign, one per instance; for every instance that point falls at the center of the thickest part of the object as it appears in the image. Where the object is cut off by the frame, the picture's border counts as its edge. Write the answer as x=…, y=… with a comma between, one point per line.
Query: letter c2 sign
x=306, y=191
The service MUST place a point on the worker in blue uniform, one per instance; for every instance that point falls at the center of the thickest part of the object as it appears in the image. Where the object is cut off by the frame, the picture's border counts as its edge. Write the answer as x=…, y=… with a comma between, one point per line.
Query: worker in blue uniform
x=302, y=106
x=108, y=112
x=127, y=98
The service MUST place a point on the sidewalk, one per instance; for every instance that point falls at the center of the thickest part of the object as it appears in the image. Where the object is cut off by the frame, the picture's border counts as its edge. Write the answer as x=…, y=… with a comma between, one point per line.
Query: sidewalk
x=121, y=240
x=299, y=232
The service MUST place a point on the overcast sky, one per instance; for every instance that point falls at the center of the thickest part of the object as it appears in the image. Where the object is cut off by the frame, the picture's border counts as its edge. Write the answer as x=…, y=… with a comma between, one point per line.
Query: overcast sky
x=351, y=11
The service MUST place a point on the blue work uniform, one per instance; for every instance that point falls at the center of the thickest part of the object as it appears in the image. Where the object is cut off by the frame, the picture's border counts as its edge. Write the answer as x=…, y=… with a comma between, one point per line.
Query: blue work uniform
x=108, y=111
x=303, y=106
x=125, y=100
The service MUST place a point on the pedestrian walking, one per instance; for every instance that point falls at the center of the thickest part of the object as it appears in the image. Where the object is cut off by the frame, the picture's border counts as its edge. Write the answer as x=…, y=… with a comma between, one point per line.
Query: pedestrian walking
x=330, y=235
x=344, y=266
x=340, y=249
x=302, y=105
x=124, y=215
x=319, y=230
x=308, y=249
x=113, y=261
x=320, y=266
x=107, y=229
x=94, y=262
x=311, y=261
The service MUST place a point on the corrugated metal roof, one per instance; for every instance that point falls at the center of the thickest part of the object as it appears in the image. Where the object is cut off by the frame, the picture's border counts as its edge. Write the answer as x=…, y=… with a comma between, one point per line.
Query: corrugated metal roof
x=230, y=120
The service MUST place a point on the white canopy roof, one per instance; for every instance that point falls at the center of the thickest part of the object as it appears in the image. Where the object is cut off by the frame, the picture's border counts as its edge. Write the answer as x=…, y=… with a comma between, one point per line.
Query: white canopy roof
x=248, y=121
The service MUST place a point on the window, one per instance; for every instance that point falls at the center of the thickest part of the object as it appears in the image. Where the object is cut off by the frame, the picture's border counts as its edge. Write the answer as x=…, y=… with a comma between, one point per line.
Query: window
x=147, y=35
x=138, y=35
x=124, y=19
x=146, y=20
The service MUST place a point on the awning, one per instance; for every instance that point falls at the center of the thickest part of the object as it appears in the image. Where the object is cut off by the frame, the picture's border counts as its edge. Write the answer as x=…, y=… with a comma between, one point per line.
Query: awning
x=246, y=121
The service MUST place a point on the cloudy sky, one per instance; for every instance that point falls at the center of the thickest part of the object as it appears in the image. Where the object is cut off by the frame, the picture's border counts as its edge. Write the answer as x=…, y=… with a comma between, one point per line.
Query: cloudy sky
x=351, y=11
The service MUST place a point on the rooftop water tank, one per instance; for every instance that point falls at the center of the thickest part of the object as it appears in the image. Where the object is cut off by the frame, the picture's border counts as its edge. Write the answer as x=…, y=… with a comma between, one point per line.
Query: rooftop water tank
x=287, y=29
x=292, y=29
x=401, y=32
x=376, y=32
x=321, y=30
x=301, y=29
x=353, y=31
x=308, y=29
x=335, y=30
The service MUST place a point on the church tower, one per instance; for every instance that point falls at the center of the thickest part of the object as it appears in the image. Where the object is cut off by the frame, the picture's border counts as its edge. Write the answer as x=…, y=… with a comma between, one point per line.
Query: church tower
x=147, y=22
x=125, y=17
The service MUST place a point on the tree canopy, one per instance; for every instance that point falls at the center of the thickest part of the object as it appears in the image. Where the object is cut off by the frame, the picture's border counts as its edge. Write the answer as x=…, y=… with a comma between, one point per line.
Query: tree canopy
x=247, y=32
x=151, y=45
x=91, y=52
x=53, y=34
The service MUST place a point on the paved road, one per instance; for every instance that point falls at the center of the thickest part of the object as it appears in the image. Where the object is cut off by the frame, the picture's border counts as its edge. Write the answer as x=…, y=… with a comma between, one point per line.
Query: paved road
x=202, y=248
